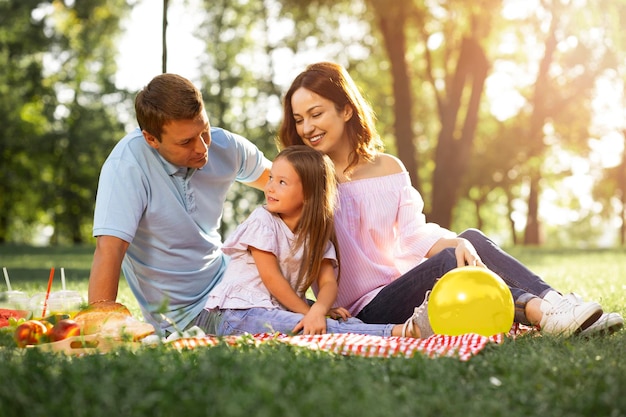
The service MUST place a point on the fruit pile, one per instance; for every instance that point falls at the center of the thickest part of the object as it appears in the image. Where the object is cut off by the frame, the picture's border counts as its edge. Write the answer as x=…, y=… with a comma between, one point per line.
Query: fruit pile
x=9, y=316
x=102, y=326
x=27, y=331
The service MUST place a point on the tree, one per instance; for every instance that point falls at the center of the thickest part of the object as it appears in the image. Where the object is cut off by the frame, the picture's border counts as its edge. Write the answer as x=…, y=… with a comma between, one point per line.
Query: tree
x=561, y=95
x=455, y=143
x=85, y=124
x=24, y=111
x=610, y=189
x=392, y=19
x=164, y=37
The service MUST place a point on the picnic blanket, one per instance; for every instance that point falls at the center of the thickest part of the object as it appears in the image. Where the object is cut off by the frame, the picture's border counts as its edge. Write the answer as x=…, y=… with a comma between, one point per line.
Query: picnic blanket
x=462, y=347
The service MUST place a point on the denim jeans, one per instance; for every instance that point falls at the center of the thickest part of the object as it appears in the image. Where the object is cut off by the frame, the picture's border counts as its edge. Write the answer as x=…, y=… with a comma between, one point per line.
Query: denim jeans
x=263, y=320
x=395, y=303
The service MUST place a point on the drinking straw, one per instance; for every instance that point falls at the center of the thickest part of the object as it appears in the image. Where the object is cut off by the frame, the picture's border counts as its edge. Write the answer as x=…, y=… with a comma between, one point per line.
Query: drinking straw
x=6, y=277
x=63, y=278
x=45, y=301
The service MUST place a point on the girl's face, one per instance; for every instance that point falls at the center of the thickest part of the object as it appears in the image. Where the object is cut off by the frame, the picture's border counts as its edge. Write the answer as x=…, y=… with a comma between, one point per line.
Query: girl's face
x=283, y=192
x=318, y=122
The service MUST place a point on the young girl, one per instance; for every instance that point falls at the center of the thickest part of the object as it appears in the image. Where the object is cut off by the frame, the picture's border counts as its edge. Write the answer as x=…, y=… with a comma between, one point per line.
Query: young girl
x=280, y=251
x=391, y=256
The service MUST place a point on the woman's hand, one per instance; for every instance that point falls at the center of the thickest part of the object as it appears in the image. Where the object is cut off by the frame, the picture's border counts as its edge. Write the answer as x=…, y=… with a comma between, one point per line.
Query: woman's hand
x=464, y=251
x=339, y=313
x=466, y=254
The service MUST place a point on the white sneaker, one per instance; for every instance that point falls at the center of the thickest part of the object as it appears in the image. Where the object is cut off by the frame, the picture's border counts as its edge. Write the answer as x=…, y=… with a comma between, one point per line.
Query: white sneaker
x=564, y=317
x=607, y=324
x=418, y=320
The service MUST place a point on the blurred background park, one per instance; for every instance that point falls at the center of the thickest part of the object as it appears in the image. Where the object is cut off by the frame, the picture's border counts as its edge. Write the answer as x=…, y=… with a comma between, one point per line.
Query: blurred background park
x=509, y=114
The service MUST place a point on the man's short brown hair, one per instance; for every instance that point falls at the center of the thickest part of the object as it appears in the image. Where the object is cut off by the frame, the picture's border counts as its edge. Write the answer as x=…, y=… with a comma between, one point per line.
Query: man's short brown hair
x=167, y=97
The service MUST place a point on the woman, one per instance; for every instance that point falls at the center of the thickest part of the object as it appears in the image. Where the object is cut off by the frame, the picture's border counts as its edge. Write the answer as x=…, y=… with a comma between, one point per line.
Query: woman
x=391, y=257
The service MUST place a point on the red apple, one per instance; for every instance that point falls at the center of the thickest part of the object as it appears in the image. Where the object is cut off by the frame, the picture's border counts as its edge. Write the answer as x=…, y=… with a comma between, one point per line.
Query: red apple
x=63, y=329
x=30, y=332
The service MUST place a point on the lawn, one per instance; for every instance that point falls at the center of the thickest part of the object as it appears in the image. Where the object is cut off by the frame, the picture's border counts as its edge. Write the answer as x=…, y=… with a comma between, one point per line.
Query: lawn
x=523, y=377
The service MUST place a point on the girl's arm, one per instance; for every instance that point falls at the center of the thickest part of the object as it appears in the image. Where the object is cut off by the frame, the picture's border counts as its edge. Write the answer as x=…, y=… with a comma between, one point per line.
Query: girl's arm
x=327, y=286
x=275, y=281
x=314, y=322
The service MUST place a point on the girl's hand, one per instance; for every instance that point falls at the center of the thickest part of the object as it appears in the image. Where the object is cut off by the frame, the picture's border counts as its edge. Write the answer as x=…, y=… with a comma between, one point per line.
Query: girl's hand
x=339, y=313
x=313, y=322
x=466, y=254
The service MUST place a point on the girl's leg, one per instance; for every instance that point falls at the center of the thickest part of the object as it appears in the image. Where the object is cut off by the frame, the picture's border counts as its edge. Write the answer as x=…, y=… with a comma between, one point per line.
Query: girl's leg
x=397, y=301
x=261, y=320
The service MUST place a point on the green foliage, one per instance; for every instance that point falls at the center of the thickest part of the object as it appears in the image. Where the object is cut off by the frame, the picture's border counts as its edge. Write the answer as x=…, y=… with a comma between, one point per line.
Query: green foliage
x=59, y=122
x=23, y=109
x=84, y=136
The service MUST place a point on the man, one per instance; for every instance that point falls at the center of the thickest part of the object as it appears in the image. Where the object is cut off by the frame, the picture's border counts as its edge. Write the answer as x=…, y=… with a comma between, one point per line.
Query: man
x=159, y=204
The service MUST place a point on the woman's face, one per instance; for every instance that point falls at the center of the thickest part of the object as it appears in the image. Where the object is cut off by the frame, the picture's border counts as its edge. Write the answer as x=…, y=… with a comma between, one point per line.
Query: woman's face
x=318, y=122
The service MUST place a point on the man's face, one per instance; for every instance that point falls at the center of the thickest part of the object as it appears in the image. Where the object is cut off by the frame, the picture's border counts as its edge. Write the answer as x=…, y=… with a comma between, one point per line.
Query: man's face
x=184, y=143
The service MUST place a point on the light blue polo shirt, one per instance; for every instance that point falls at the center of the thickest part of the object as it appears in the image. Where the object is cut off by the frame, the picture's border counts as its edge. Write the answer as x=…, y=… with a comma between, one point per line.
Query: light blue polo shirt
x=170, y=216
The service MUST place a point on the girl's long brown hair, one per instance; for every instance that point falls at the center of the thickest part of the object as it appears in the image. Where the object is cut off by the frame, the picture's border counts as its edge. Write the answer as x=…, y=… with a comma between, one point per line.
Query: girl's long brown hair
x=316, y=225
x=333, y=82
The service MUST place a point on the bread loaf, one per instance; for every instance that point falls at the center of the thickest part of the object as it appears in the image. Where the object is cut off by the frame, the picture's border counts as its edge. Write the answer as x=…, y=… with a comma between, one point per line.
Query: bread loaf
x=112, y=320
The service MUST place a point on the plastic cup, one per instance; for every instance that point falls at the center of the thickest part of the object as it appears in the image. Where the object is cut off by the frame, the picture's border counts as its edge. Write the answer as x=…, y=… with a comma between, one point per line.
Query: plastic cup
x=66, y=301
x=59, y=303
x=15, y=300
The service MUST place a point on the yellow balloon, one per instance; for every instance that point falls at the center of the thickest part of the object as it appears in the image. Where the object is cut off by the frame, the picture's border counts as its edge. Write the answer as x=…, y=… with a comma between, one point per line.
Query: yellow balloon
x=470, y=300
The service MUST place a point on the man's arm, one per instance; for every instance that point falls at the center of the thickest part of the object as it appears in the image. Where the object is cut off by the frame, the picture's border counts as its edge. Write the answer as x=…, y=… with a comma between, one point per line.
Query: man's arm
x=104, y=278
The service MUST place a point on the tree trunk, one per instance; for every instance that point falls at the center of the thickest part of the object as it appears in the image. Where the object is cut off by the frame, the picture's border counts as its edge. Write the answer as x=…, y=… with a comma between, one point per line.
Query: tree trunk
x=509, y=207
x=4, y=227
x=622, y=188
x=532, y=234
x=164, y=37
x=454, y=148
x=392, y=25
x=478, y=203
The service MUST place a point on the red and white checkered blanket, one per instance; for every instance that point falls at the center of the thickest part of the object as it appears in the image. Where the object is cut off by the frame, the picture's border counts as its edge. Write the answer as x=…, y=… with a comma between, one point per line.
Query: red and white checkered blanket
x=462, y=347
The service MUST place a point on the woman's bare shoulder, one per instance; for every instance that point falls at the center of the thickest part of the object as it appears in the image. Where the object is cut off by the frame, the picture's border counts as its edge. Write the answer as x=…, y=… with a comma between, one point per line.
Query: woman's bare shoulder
x=382, y=165
x=389, y=164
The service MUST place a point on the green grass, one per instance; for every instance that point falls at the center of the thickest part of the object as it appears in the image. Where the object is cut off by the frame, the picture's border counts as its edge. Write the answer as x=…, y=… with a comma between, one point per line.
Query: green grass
x=524, y=377
x=29, y=270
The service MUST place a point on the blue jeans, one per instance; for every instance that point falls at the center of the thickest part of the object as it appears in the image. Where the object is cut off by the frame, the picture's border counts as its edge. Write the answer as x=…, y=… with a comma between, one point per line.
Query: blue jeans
x=395, y=303
x=263, y=320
